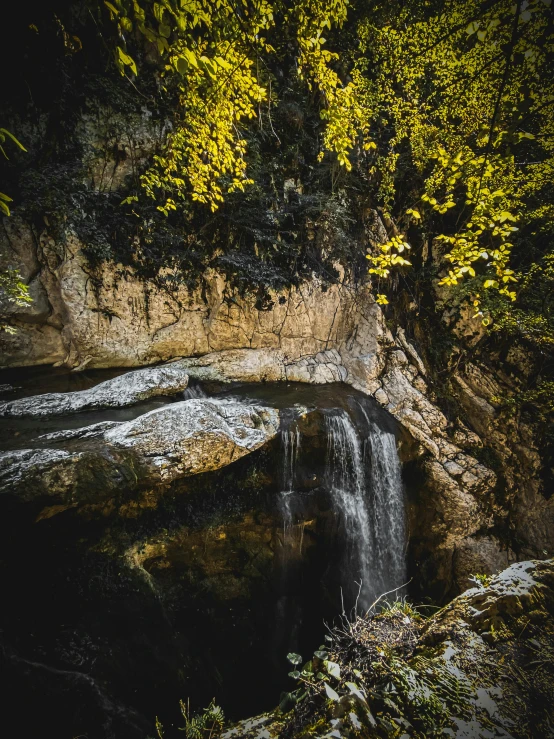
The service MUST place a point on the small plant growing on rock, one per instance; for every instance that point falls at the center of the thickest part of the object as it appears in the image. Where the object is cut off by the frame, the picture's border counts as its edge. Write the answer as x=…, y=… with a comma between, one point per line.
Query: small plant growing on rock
x=205, y=725
x=400, y=606
x=481, y=580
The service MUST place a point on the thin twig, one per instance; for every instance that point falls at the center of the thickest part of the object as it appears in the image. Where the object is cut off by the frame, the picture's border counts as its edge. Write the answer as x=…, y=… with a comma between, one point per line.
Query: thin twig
x=394, y=590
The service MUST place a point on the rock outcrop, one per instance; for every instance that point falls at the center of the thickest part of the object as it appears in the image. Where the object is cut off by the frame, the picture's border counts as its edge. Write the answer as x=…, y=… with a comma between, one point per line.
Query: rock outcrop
x=481, y=667
x=168, y=443
x=118, y=392
x=514, y=446
x=458, y=488
x=119, y=320
x=312, y=333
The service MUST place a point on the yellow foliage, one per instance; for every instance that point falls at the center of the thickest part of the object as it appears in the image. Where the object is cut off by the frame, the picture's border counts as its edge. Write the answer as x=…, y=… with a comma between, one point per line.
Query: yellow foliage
x=210, y=50
x=460, y=87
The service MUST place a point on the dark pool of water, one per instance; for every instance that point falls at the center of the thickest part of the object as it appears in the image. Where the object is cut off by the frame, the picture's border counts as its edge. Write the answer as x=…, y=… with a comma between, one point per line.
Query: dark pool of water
x=25, y=381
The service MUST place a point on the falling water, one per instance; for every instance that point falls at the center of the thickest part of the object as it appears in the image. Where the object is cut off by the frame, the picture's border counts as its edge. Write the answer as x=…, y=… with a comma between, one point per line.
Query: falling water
x=290, y=439
x=347, y=484
x=288, y=611
x=387, y=511
x=364, y=479
x=194, y=391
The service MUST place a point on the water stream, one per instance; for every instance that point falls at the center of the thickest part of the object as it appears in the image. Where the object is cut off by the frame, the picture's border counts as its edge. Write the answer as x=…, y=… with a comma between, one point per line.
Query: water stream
x=363, y=478
x=290, y=440
x=194, y=391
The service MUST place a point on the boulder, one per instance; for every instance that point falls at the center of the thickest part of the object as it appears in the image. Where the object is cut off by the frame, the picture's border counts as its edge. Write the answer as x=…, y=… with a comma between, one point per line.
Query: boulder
x=163, y=445
x=118, y=392
x=194, y=436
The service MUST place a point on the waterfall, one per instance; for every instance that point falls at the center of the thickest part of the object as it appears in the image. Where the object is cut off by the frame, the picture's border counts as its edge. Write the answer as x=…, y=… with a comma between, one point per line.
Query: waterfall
x=387, y=507
x=194, y=391
x=288, y=611
x=290, y=440
x=347, y=484
x=362, y=476
x=364, y=480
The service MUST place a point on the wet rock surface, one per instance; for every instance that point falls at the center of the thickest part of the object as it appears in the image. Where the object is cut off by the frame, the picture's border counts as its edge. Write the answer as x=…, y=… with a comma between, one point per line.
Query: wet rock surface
x=481, y=667
x=482, y=470
x=181, y=439
x=455, y=488
x=118, y=392
x=311, y=333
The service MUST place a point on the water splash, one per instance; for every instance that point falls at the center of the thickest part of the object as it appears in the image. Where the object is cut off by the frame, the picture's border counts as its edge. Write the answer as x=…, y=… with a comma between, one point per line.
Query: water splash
x=194, y=391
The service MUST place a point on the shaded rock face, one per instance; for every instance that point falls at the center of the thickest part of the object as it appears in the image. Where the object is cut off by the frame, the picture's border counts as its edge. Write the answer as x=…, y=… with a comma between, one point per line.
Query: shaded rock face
x=481, y=667
x=485, y=555
x=515, y=449
x=118, y=392
x=454, y=489
x=163, y=445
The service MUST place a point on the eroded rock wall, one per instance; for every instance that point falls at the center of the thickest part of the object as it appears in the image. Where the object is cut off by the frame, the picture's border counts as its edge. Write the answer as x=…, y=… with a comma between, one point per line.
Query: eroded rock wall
x=314, y=333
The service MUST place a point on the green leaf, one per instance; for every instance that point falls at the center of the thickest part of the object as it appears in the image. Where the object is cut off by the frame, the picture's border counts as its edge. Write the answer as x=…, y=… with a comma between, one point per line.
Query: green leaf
x=12, y=137
x=294, y=658
x=287, y=702
x=158, y=11
x=111, y=7
x=208, y=65
x=126, y=24
x=189, y=58
x=181, y=65
x=4, y=208
x=126, y=60
x=181, y=22
x=331, y=694
x=294, y=674
x=332, y=668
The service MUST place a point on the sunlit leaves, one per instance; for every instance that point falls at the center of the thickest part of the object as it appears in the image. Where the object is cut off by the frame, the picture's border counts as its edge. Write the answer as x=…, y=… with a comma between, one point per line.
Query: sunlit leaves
x=124, y=60
x=6, y=135
x=346, y=117
x=389, y=255
x=14, y=290
x=467, y=95
x=211, y=52
x=4, y=200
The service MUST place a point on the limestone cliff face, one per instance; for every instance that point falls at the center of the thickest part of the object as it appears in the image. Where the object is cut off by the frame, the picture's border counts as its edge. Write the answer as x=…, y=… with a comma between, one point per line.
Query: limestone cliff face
x=314, y=333
x=108, y=317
